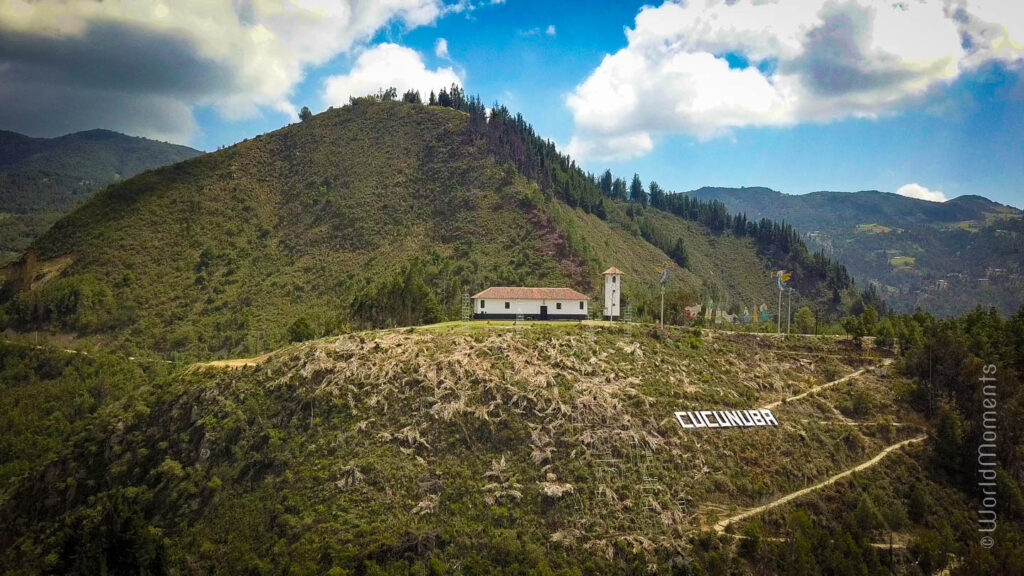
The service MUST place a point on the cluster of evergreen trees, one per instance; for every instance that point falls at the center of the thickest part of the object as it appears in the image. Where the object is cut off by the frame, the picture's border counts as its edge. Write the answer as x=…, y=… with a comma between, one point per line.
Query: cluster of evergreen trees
x=968, y=373
x=513, y=140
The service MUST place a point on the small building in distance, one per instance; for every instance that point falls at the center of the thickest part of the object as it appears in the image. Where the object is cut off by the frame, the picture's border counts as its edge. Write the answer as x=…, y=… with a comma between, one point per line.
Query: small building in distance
x=511, y=303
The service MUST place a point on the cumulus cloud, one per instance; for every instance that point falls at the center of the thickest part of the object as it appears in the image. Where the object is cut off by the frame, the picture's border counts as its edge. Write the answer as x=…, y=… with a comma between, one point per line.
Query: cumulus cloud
x=706, y=68
x=441, y=48
x=550, y=31
x=915, y=190
x=71, y=65
x=383, y=66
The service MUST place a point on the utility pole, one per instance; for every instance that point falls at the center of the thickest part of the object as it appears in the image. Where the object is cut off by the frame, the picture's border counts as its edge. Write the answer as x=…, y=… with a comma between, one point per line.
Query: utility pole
x=661, y=281
x=781, y=277
x=789, y=310
x=779, y=316
x=662, y=305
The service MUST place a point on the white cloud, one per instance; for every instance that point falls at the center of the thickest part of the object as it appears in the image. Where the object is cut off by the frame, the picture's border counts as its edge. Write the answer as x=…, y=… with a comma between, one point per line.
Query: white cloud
x=550, y=31
x=915, y=190
x=617, y=147
x=811, y=61
x=241, y=57
x=441, y=48
x=383, y=66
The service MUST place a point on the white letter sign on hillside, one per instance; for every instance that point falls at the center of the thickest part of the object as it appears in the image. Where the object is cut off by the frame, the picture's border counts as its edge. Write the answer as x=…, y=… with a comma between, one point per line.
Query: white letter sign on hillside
x=726, y=418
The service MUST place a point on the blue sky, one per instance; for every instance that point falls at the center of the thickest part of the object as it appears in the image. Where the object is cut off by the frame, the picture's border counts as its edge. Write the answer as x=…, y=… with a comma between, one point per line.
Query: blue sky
x=828, y=97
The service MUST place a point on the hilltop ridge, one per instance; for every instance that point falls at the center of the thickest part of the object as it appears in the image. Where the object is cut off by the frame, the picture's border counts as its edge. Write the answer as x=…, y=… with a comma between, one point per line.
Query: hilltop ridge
x=371, y=215
x=42, y=179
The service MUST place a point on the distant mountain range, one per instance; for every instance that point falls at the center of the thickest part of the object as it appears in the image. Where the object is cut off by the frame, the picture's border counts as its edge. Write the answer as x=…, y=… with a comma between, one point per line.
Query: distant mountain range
x=944, y=256
x=42, y=179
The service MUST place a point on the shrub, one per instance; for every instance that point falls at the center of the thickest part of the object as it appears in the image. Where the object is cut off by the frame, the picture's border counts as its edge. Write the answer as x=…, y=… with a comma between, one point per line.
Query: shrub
x=300, y=330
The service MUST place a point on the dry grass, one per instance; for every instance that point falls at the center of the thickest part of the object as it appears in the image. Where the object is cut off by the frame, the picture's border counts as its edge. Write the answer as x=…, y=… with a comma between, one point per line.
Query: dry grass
x=582, y=416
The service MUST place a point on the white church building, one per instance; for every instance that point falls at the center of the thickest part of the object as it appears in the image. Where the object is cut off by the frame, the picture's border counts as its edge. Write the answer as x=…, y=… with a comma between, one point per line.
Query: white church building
x=515, y=302
x=512, y=303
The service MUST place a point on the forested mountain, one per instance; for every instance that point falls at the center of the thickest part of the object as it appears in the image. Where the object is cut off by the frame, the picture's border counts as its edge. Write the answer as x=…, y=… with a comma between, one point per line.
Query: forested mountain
x=42, y=179
x=390, y=447
x=946, y=257
x=384, y=212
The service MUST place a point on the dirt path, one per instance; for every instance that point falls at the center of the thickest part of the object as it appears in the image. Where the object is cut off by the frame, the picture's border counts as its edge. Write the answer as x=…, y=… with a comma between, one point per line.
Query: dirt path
x=821, y=387
x=721, y=526
x=233, y=362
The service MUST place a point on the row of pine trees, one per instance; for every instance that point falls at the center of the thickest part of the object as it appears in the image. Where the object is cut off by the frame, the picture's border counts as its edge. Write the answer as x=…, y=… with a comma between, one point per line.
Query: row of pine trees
x=513, y=140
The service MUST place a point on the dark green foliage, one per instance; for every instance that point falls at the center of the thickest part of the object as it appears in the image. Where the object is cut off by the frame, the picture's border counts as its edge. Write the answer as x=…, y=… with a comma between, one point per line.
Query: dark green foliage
x=679, y=254
x=402, y=299
x=804, y=320
x=305, y=114
x=48, y=396
x=619, y=189
x=301, y=330
x=657, y=196
x=605, y=183
x=861, y=325
x=885, y=334
x=636, y=191
x=42, y=179
x=78, y=304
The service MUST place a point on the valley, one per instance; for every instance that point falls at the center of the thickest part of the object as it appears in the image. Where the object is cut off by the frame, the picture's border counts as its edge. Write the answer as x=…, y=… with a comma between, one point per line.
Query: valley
x=945, y=257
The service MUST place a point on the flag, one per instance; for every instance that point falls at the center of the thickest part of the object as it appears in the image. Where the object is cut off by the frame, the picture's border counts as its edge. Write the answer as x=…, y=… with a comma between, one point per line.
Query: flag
x=781, y=277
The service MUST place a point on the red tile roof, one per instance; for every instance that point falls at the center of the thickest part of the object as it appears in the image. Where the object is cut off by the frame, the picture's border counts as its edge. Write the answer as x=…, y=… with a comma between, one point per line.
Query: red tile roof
x=612, y=270
x=519, y=293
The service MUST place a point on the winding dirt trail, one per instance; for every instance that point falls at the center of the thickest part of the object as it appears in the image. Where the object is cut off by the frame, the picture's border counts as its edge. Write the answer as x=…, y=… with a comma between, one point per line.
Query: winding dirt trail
x=723, y=524
x=821, y=387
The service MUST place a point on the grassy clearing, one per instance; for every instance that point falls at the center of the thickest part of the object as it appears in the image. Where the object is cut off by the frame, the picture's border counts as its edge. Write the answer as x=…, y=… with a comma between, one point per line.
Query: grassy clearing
x=902, y=261
x=873, y=228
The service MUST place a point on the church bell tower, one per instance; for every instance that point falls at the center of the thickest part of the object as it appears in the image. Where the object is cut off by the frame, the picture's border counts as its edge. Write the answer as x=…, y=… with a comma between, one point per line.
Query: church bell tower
x=612, y=294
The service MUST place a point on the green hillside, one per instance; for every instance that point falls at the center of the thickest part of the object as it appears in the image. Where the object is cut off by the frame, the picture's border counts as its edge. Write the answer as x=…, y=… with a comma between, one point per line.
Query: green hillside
x=472, y=448
x=376, y=214
x=42, y=179
x=945, y=257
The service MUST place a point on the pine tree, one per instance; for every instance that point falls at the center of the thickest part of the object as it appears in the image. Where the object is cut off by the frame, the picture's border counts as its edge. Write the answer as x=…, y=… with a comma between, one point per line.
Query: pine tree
x=619, y=189
x=657, y=195
x=679, y=254
x=636, y=191
x=606, y=183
